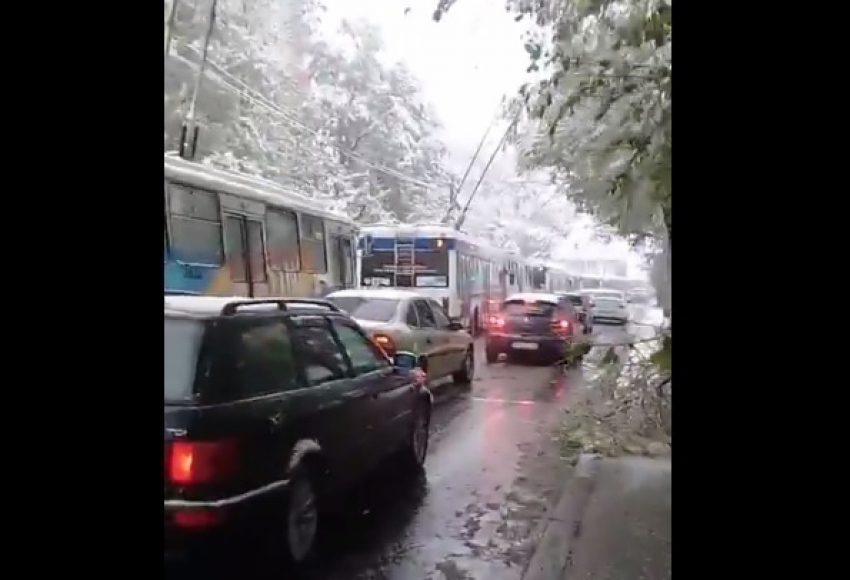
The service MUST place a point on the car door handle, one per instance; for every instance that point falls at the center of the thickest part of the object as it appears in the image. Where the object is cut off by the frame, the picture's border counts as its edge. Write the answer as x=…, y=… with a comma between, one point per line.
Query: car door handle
x=428, y=341
x=275, y=420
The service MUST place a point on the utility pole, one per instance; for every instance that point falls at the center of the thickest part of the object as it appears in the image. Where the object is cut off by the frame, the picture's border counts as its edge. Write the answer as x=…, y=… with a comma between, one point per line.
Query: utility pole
x=189, y=130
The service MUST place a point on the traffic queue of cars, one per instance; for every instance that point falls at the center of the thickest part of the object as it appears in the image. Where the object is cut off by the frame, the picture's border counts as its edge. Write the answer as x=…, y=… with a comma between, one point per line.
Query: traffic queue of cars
x=274, y=407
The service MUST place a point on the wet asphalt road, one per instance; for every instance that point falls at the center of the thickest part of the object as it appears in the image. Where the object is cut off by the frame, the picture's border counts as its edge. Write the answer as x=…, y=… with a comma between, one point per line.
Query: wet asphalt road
x=493, y=470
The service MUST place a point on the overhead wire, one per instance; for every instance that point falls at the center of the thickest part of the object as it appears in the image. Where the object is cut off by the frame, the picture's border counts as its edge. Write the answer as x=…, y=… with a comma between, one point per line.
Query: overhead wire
x=462, y=217
x=471, y=163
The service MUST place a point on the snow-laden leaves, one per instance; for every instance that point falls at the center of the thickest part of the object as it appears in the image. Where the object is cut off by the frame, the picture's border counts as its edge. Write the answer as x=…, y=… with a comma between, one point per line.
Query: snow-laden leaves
x=625, y=405
x=524, y=215
x=600, y=119
x=373, y=116
x=281, y=100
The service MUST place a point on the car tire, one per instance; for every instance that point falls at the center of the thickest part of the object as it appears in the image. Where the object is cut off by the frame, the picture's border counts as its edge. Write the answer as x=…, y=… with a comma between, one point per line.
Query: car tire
x=492, y=356
x=467, y=371
x=301, y=520
x=415, y=449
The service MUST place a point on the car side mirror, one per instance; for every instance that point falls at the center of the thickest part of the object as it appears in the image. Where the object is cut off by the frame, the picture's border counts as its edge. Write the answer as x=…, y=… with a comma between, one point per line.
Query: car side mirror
x=405, y=360
x=455, y=324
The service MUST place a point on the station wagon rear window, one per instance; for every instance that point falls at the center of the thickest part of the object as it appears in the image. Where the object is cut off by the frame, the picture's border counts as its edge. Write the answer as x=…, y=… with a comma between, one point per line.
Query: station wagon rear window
x=182, y=341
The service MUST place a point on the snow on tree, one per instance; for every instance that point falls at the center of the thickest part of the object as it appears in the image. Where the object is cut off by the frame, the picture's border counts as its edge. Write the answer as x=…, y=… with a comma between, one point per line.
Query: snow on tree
x=526, y=214
x=279, y=100
x=253, y=45
x=372, y=114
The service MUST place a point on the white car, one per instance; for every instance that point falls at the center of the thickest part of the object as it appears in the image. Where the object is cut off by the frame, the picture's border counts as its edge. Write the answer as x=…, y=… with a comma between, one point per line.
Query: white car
x=610, y=309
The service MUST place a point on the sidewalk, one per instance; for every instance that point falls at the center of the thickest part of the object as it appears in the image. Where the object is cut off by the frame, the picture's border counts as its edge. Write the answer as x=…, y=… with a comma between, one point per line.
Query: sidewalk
x=612, y=523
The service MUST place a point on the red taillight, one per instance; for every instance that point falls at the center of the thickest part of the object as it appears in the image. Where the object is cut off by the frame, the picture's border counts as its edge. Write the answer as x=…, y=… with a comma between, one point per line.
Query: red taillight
x=497, y=321
x=562, y=326
x=201, y=462
x=197, y=518
x=385, y=342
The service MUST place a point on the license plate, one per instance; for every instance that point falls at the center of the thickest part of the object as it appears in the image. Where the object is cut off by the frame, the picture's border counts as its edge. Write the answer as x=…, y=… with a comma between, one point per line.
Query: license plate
x=524, y=345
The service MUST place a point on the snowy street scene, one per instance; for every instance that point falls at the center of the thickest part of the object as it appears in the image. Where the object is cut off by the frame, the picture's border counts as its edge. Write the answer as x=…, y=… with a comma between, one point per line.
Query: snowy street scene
x=417, y=289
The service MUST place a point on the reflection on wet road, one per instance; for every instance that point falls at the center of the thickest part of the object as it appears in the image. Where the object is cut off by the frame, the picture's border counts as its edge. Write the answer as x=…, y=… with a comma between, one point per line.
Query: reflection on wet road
x=493, y=470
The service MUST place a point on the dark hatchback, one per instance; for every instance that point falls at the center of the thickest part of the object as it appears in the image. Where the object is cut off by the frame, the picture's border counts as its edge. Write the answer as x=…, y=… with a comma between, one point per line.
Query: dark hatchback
x=273, y=408
x=537, y=325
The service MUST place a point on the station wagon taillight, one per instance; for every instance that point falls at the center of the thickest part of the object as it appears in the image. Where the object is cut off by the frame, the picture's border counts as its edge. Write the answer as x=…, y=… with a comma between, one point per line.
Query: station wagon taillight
x=201, y=462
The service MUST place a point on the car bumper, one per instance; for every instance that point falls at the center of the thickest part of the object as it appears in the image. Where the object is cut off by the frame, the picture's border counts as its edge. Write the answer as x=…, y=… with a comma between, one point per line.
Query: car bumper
x=222, y=524
x=549, y=346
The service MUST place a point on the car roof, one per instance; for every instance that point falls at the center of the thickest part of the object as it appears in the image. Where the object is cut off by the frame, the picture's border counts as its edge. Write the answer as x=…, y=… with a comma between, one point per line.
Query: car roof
x=213, y=306
x=388, y=293
x=599, y=290
x=535, y=297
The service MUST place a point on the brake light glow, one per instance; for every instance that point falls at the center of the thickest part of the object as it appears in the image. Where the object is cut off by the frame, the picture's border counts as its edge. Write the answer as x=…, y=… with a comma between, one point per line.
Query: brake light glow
x=385, y=343
x=562, y=326
x=201, y=462
x=197, y=519
x=497, y=321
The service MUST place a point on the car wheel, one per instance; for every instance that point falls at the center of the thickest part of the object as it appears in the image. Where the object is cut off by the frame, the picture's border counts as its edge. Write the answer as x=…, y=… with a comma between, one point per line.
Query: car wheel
x=467, y=371
x=492, y=356
x=415, y=449
x=301, y=518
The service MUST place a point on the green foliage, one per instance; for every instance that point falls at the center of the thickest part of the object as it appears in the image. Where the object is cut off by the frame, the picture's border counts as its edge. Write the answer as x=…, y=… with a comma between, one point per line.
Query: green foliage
x=663, y=357
x=575, y=351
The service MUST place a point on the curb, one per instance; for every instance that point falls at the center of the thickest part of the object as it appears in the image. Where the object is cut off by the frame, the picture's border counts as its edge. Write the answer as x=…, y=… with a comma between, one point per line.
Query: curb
x=553, y=552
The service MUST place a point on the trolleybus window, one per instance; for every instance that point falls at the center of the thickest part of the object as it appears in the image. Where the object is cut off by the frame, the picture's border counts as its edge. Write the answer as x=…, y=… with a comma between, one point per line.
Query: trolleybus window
x=313, y=257
x=195, y=225
x=282, y=239
x=432, y=269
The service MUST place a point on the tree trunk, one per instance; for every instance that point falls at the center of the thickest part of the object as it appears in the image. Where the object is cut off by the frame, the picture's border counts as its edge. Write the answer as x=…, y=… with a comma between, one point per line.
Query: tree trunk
x=668, y=224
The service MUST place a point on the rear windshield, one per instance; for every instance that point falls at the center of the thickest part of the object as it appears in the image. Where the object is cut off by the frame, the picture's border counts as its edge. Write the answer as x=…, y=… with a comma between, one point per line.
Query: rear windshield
x=367, y=308
x=182, y=340
x=607, y=301
x=523, y=308
x=575, y=300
